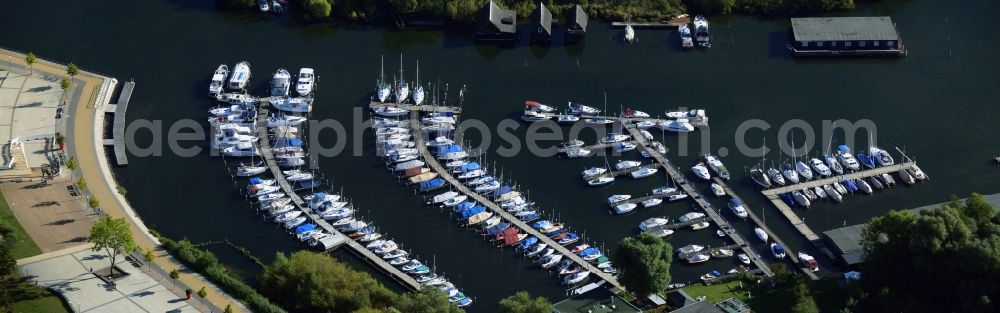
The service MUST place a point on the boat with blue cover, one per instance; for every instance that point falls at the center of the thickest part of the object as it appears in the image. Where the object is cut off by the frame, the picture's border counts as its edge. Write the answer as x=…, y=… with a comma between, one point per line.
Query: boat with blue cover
x=866, y=160
x=527, y=242
x=498, y=228
x=432, y=184
x=570, y=238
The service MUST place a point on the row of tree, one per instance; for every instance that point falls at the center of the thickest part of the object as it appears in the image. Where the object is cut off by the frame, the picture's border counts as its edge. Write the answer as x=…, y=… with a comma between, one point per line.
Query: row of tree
x=464, y=11
x=315, y=282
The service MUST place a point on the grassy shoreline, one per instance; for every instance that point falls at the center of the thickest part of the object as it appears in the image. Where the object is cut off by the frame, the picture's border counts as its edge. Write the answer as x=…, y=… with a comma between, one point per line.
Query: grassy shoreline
x=25, y=296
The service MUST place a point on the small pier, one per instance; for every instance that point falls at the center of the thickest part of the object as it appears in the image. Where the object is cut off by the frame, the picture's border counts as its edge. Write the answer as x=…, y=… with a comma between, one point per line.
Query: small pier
x=595, y=147
x=418, y=108
x=837, y=178
x=770, y=234
x=647, y=197
x=631, y=169
x=700, y=202
x=367, y=255
x=457, y=185
x=117, y=140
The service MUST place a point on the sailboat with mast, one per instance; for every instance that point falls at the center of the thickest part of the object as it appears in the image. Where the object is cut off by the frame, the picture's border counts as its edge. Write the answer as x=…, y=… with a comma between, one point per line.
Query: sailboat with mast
x=418, y=90
x=757, y=172
x=402, y=87
x=382, y=88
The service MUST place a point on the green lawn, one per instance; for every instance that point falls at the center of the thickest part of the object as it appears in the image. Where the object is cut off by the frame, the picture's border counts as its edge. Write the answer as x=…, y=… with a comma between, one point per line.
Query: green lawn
x=23, y=245
x=29, y=298
x=830, y=297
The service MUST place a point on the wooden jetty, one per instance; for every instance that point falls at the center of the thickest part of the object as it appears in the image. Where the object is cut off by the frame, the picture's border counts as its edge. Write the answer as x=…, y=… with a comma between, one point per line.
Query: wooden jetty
x=631, y=169
x=647, y=197
x=355, y=247
x=700, y=202
x=458, y=186
x=770, y=234
x=418, y=108
x=117, y=140
x=595, y=147
x=838, y=178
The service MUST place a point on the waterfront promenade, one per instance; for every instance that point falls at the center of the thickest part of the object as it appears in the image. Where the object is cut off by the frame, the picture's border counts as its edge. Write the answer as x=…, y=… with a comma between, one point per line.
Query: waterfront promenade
x=84, y=133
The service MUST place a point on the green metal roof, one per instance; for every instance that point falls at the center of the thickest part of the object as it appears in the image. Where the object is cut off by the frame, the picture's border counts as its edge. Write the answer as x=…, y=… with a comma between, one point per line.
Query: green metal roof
x=844, y=28
x=846, y=239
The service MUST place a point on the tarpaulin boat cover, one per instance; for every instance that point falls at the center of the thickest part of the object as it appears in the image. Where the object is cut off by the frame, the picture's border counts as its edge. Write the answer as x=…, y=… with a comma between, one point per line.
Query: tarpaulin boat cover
x=503, y=189
x=530, y=216
x=530, y=241
x=542, y=224
x=467, y=213
x=468, y=167
x=570, y=236
x=509, y=196
x=448, y=148
x=508, y=232
x=590, y=251
x=255, y=180
x=554, y=232
x=602, y=259
x=307, y=184
x=431, y=184
x=464, y=205
x=510, y=237
x=479, y=218
x=409, y=164
x=305, y=228
x=290, y=142
x=843, y=148
x=496, y=229
x=413, y=171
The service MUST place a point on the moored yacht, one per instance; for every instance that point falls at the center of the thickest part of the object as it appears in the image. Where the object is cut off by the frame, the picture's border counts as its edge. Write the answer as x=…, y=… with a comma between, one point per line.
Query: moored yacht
x=218, y=80
x=881, y=157
x=848, y=160
x=240, y=77
x=382, y=88
x=759, y=177
x=418, y=90
x=819, y=167
x=305, y=82
x=280, y=83
x=701, y=171
x=677, y=126
x=804, y=171
x=629, y=33
x=701, y=35
x=685, y=35
x=790, y=174
x=736, y=206
x=538, y=106
x=716, y=166
x=580, y=109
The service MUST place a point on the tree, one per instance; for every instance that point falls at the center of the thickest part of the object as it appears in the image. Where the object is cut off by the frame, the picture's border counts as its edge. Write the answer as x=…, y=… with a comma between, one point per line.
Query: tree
x=72, y=70
x=202, y=293
x=8, y=263
x=312, y=282
x=319, y=8
x=804, y=302
x=30, y=59
x=113, y=236
x=229, y=309
x=64, y=83
x=81, y=184
x=174, y=275
x=121, y=190
x=427, y=300
x=955, y=247
x=644, y=263
x=93, y=203
x=521, y=302
x=71, y=162
x=149, y=255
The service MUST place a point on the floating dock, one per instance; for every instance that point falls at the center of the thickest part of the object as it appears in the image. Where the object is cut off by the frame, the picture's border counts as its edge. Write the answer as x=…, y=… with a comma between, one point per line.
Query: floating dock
x=838, y=178
x=412, y=107
x=683, y=185
x=359, y=250
x=676, y=225
x=709, y=251
x=436, y=166
x=117, y=140
x=594, y=148
x=770, y=234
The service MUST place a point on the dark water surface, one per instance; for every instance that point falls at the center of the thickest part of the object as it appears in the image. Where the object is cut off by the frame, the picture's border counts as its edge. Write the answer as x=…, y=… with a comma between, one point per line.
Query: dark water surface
x=939, y=103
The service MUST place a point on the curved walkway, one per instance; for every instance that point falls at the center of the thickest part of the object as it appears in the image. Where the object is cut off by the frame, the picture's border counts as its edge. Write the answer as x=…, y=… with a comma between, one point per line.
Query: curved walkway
x=84, y=133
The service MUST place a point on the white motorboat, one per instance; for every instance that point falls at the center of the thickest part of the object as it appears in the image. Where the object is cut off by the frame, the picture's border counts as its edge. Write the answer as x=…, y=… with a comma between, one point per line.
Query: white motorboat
x=701, y=35
x=285, y=120
x=431, y=120
x=625, y=146
x=391, y=111
x=716, y=166
x=615, y=138
x=881, y=157
x=264, y=5
x=804, y=171
x=700, y=225
x=801, y=199
x=863, y=185
x=625, y=164
x=601, y=180
x=693, y=114
x=633, y=113
x=241, y=75
x=280, y=83
x=676, y=196
x=218, y=80
x=306, y=81
x=744, y=258
x=690, y=216
x=819, y=167
x=618, y=198
x=723, y=253
x=580, y=109
x=736, y=206
x=593, y=171
x=552, y=260
x=292, y=223
x=917, y=172
x=645, y=124
x=848, y=160
x=662, y=232
x=576, y=278
x=566, y=119
x=299, y=177
x=629, y=33
x=777, y=250
x=649, y=136
x=578, y=153
x=677, y=126
x=441, y=198
x=441, y=141
x=664, y=190
x=904, y=175
x=688, y=249
x=418, y=90
x=701, y=171
x=644, y=172
x=717, y=190
x=247, y=170
x=625, y=208
x=833, y=164
x=535, y=116
x=808, y=261
x=653, y=222
x=270, y=196
x=287, y=216
x=832, y=193
x=818, y=190
x=243, y=149
x=839, y=188
x=697, y=258
x=761, y=234
x=685, y=34
x=648, y=203
x=294, y=105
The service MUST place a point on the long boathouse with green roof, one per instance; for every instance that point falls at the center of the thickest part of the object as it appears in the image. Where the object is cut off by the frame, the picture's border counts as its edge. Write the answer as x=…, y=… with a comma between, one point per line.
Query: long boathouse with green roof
x=845, y=36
